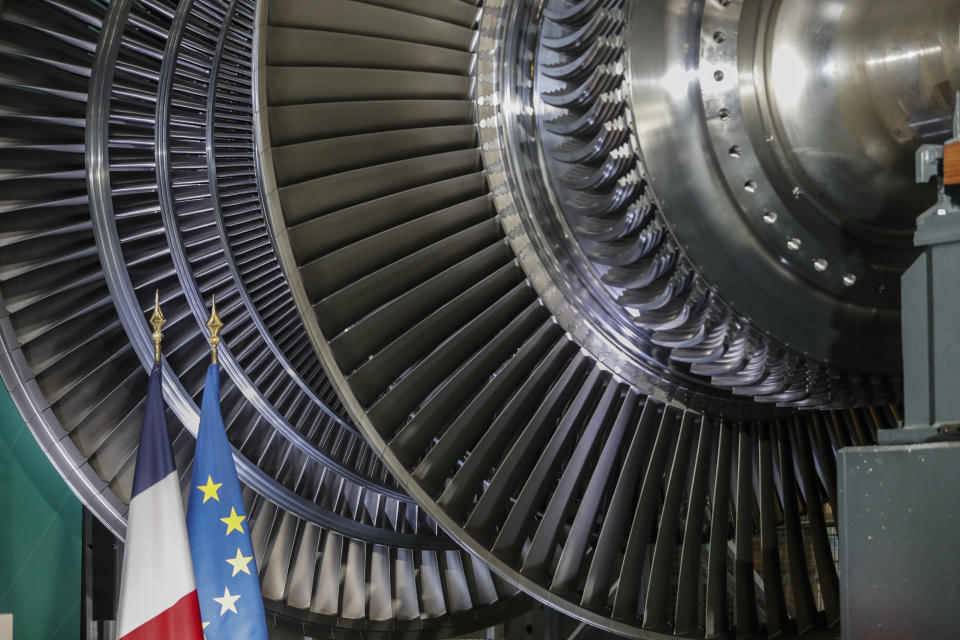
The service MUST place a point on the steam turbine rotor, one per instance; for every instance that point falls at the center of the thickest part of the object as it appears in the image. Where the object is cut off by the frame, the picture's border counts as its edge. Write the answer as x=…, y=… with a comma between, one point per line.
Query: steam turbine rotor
x=574, y=297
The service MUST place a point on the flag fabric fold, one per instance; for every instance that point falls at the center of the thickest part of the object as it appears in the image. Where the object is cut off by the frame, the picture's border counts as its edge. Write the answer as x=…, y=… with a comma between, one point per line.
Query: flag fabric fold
x=158, y=595
x=227, y=582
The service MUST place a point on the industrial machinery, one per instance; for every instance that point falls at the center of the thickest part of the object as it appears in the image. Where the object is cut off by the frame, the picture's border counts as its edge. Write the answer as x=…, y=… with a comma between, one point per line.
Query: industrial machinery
x=574, y=298
x=128, y=166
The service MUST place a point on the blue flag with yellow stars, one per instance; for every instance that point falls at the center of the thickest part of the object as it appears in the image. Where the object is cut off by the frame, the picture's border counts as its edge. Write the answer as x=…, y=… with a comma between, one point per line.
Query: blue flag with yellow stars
x=227, y=582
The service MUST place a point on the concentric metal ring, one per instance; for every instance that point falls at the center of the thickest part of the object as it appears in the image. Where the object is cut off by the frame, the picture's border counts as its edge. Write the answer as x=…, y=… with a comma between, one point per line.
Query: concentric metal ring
x=576, y=486
x=161, y=90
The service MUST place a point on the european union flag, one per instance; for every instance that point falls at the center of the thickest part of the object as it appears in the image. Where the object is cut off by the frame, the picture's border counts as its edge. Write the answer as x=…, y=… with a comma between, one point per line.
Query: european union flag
x=227, y=582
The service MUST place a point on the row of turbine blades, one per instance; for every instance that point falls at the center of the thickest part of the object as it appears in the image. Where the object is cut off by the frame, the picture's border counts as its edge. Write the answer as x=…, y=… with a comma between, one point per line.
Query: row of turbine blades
x=610, y=505
x=598, y=173
x=78, y=268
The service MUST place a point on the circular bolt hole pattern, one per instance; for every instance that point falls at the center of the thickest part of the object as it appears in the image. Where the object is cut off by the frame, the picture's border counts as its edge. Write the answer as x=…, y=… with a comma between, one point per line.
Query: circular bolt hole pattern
x=751, y=186
x=719, y=36
x=718, y=75
x=770, y=217
x=849, y=280
x=735, y=151
x=820, y=264
x=724, y=114
x=794, y=244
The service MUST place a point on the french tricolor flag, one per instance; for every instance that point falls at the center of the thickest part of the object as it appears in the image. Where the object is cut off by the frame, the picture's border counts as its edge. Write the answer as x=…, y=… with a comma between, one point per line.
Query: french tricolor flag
x=158, y=594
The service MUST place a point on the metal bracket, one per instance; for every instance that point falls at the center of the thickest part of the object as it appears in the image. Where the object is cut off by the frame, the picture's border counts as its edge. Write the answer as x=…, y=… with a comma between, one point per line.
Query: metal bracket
x=931, y=310
x=919, y=434
x=928, y=161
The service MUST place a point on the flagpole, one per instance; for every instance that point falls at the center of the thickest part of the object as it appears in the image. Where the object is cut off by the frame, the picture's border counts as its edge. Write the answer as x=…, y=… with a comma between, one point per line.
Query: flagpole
x=228, y=585
x=215, y=325
x=158, y=591
x=157, y=321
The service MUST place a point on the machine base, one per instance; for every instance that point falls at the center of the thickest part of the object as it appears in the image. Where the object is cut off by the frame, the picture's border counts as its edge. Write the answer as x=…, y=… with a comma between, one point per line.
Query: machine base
x=899, y=524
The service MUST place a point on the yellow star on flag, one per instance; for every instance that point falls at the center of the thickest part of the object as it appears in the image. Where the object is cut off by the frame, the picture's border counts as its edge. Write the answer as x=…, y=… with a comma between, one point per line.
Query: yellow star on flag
x=234, y=521
x=210, y=490
x=227, y=602
x=205, y=625
x=240, y=563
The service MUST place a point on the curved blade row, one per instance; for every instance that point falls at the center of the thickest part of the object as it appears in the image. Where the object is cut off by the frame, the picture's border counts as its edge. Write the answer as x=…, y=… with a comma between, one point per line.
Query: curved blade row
x=599, y=188
x=175, y=217
x=326, y=580
x=636, y=516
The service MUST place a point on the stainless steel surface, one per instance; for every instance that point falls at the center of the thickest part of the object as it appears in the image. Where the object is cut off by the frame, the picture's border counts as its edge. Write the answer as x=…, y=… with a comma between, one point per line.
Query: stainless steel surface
x=815, y=180
x=852, y=90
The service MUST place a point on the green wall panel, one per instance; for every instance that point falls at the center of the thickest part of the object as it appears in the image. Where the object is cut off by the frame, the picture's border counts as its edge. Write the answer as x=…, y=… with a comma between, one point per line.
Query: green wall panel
x=40, y=537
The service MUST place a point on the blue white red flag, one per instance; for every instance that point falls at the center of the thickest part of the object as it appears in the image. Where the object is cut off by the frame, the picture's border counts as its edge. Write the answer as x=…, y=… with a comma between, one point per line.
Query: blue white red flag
x=227, y=580
x=158, y=595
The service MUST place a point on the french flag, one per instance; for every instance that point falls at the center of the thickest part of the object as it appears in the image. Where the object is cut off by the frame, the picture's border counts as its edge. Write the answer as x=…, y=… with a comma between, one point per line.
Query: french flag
x=158, y=594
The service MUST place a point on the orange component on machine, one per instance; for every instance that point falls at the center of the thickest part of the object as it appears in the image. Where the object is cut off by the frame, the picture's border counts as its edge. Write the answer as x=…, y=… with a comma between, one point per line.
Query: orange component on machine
x=951, y=163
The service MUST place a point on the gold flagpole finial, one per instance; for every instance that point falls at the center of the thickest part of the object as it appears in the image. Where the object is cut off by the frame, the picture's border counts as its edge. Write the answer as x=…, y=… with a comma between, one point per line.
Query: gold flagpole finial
x=215, y=325
x=157, y=321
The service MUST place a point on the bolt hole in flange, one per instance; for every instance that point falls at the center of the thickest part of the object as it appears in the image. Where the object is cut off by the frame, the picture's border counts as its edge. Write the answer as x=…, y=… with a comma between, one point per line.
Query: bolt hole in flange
x=785, y=125
x=608, y=192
